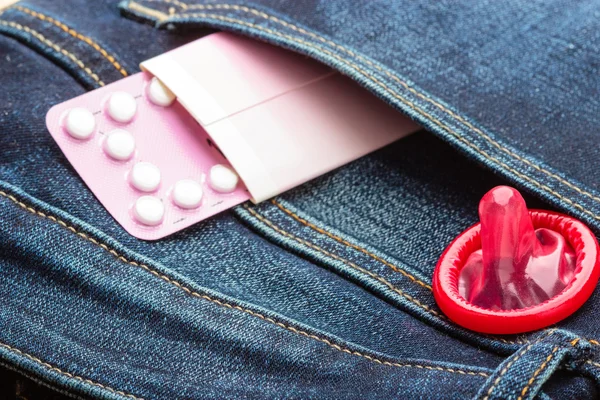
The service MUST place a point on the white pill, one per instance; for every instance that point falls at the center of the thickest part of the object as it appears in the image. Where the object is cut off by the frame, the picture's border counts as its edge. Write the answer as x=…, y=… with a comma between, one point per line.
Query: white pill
x=187, y=193
x=121, y=106
x=119, y=144
x=80, y=123
x=159, y=94
x=145, y=176
x=222, y=179
x=149, y=210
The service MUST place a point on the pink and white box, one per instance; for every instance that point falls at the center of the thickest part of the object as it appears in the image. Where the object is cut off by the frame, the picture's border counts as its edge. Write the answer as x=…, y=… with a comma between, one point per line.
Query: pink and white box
x=203, y=114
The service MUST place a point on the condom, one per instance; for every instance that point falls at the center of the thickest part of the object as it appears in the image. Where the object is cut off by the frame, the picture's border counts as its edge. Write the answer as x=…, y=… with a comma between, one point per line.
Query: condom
x=517, y=270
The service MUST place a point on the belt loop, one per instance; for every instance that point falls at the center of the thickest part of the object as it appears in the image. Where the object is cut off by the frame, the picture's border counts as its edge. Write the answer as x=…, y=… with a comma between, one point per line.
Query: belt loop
x=521, y=376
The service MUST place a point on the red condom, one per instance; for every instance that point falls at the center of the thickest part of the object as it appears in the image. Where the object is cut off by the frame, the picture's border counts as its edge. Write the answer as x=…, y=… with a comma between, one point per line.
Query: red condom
x=517, y=270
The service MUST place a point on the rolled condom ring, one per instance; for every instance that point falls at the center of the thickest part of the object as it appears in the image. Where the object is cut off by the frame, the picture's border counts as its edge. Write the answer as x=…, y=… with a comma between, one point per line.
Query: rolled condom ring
x=518, y=270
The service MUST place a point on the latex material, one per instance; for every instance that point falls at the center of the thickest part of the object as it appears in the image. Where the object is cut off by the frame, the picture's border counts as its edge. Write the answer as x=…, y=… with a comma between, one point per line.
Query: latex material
x=517, y=270
x=517, y=266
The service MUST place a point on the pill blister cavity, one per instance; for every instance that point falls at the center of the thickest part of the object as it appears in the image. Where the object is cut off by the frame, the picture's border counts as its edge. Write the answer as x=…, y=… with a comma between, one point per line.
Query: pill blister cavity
x=145, y=176
x=119, y=145
x=187, y=194
x=159, y=94
x=80, y=123
x=121, y=107
x=222, y=179
x=149, y=210
x=144, y=157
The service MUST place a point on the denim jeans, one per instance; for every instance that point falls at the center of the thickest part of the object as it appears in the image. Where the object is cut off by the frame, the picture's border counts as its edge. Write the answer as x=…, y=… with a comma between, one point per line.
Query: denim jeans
x=325, y=291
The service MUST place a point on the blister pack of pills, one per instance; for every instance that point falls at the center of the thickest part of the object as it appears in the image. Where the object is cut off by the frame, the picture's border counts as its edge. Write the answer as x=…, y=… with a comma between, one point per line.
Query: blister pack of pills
x=145, y=158
x=216, y=122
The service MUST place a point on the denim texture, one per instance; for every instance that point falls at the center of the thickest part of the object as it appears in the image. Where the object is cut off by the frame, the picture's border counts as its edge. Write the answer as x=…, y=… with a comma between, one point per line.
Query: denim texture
x=325, y=291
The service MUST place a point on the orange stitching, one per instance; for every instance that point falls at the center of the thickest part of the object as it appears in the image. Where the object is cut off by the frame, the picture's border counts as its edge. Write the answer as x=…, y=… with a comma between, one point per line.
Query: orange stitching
x=47, y=42
x=351, y=245
x=228, y=305
x=67, y=374
x=365, y=271
x=75, y=34
x=507, y=366
x=345, y=261
x=148, y=11
x=389, y=74
x=595, y=364
x=537, y=372
x=407, y=102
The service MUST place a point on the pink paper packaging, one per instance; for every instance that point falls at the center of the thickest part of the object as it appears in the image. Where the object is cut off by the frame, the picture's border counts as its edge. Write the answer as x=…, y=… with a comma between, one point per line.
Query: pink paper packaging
x=281, y=119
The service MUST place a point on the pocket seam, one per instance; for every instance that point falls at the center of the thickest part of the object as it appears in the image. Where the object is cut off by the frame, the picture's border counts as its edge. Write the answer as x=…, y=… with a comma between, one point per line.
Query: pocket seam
x=67, y=374
x=537, y=372
x=373, y=275
x=304, y=242
x=53, y=46
x=345, y=261
x=350, y=245
x=75, y=34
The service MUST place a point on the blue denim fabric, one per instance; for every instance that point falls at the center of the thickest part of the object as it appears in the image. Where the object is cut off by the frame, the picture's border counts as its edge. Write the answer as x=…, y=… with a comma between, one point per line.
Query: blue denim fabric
x=324, y=292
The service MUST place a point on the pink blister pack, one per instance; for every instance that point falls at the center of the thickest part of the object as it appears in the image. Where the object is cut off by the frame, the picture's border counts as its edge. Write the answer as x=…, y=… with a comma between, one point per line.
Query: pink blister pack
x=146, y=159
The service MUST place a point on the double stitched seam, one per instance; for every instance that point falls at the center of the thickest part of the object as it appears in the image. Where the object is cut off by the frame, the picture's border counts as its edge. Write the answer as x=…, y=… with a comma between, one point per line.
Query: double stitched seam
x=76, y=35
x=345, y=261
x=511, y=362
x=67, y=374
x=542, y=367
x=228, y=305
x=55, y=47
x=162, y=17
x=537, y=372
x=348, y=244
x=365, y=271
